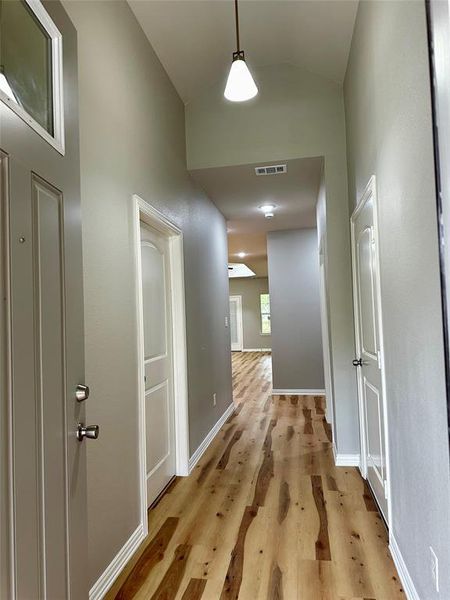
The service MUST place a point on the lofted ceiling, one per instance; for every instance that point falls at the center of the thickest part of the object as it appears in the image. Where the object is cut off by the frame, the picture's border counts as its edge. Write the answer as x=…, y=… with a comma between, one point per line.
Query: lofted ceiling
x=194, y=39
x=238, y=193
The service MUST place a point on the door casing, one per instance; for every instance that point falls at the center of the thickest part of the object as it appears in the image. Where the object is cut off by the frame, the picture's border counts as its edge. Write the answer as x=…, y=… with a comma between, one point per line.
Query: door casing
x=6, y=455
x=144, y=212
x=370, y=193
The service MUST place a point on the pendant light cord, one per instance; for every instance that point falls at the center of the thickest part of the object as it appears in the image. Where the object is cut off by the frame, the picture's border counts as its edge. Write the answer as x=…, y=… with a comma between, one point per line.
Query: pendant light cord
x=237, y=25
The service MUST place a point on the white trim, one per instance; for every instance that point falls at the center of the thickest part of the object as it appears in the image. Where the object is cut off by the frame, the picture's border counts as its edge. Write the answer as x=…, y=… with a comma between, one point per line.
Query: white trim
x=402, y=570
x=370, y=192
x=302, y=392
x=256, y=349
x=239, y=324
x=347, y=460
x=113, y=570
x=57, y=140
x=209, y=438
x=142, y=211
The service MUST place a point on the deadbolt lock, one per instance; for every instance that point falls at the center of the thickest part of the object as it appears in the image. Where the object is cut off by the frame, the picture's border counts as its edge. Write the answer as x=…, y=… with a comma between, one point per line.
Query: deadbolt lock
x=81, y=392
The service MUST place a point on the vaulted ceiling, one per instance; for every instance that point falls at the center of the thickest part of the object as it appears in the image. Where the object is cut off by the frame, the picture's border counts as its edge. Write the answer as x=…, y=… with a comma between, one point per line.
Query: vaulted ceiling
x=194, y=39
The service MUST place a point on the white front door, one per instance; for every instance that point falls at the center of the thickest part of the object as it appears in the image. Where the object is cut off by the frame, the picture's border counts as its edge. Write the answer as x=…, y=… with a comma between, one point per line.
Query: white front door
x=369, y=351
x=236, y=323
x=158, y=361
x=43, y=487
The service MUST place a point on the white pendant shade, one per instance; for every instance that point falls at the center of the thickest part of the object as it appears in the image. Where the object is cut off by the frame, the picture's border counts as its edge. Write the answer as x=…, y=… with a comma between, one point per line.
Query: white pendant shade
x=240, y=84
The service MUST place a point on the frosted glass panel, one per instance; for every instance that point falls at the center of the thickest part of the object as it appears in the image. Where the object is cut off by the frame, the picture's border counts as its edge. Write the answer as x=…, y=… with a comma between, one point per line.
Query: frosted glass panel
x=233, y=322
x=26, y=61
x=154, y=301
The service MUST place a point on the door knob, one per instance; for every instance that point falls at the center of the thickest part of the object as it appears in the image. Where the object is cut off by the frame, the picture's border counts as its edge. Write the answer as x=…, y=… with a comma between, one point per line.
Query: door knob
x=81, y=392
x=357, y=362
x=87, y=431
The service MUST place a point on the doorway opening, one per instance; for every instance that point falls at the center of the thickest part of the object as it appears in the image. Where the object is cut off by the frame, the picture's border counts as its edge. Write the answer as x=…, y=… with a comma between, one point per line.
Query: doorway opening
x=236, y=330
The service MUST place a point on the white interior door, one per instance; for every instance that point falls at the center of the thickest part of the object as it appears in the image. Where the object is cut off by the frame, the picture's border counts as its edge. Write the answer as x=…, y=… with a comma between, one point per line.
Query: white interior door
x=369, y=352
x=42, y=341
x=236, y=323
x=158, y=361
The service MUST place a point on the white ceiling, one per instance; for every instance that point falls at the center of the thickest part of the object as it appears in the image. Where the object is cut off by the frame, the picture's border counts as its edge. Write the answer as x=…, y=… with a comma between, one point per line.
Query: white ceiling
x=194, y=39
x=238, y=193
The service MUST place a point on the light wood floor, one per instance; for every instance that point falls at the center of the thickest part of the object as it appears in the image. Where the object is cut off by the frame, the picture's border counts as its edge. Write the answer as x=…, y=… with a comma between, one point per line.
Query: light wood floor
x=265, y=514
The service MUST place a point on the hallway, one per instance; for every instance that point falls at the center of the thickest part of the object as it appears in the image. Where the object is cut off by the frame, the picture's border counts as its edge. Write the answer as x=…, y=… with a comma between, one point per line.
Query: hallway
x=265, y=514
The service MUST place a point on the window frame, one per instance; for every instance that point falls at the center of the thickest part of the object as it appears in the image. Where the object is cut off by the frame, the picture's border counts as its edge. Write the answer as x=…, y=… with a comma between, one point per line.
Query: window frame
x=261, y=314
x=57, y=139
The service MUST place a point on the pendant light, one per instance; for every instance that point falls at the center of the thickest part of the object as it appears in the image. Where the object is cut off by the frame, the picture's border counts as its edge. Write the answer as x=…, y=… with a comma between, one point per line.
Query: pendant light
x=240, y=84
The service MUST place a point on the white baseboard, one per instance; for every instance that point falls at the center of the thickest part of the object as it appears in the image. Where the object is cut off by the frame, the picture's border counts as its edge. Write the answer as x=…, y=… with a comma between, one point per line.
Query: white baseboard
x=403, y=573
x=209, y=438
x=345, y=460
x=278, y=392
x=257, y=350
x=105, y=581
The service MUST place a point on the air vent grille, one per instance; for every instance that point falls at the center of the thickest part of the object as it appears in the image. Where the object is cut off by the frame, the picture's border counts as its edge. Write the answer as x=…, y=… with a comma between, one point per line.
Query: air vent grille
x=271, y=170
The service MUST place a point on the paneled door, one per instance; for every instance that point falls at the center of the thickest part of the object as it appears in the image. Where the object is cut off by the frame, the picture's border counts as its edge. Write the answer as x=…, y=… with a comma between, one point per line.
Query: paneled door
x=368, y=362
x=42, y=372
x=236, y=323
x=158, y=361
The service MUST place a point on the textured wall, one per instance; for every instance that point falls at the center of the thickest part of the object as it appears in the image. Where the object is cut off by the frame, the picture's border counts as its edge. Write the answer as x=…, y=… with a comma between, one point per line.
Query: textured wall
x=250, y=290
x=297, y=359
x=133, y=142
x=389, y=133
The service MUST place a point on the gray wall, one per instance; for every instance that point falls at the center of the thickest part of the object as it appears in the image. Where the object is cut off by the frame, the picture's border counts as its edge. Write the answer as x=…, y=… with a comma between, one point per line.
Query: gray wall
x=250, y=290
x=133, y=141
x=389, y=133
x=309, y=122
x=297, y=359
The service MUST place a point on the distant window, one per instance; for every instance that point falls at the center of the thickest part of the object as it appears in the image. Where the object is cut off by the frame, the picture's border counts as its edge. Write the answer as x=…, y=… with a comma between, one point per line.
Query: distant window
x=265, y=314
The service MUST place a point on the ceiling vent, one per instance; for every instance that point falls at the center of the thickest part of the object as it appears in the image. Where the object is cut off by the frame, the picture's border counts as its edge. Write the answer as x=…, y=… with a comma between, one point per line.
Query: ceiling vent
x=271, y=170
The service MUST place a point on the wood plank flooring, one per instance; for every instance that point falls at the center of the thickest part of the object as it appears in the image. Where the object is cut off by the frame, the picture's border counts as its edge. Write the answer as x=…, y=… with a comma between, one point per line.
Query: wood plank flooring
x=265, y=515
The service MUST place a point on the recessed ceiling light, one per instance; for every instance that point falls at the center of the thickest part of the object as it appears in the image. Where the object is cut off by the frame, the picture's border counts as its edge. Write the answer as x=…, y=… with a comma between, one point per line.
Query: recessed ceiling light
x=267, y=208
x=269, y=215
x=242, y=254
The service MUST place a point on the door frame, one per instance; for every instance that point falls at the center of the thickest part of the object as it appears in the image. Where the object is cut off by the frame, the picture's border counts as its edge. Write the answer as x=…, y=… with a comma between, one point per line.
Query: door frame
x=240, y=326
x=145, y=212
x=370, y=192
x=7, y=558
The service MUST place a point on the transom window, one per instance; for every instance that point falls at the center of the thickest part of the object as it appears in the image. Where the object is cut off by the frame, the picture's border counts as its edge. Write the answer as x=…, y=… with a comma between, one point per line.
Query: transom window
x=31, y=67
x=265, y=314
